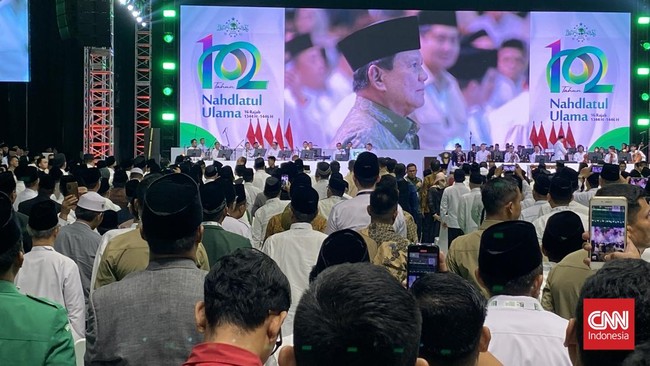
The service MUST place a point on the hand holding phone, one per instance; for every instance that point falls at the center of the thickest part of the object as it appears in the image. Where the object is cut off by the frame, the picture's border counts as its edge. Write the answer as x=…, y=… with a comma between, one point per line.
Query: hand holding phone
x=607, y=227
x=509, y=167
x=421, y=259
x=72, y=188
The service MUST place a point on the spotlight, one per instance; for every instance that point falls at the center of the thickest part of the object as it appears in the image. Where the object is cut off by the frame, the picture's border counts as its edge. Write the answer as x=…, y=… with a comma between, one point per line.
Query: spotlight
x=139, y=19
x=123, y=2
x=129, y=7
x=135, y=13
x=144, y=24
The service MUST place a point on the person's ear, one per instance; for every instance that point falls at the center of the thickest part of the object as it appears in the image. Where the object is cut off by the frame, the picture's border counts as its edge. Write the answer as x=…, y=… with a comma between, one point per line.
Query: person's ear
x=571, y=341
x=275, y=325
x=480, y=280
x=485, y=339
x=421, y=362
x=537, y=284
x=287, y=356
x=376, y=77
x=199, y=317
x=199, y=235
x=19, y=260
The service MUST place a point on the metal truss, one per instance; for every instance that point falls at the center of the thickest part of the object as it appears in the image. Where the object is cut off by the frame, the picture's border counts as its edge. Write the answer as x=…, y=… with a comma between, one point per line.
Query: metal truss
x=99, y=101
x=142, y=83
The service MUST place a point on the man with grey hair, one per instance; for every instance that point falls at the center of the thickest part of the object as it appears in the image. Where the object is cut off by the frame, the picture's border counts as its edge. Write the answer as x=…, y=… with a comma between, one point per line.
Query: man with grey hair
x=46, y=273
x=389, y=82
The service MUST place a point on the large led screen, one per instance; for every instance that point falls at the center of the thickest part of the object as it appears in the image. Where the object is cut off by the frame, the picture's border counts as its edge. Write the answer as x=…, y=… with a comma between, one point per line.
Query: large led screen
x=14, y=37
x=277, y=75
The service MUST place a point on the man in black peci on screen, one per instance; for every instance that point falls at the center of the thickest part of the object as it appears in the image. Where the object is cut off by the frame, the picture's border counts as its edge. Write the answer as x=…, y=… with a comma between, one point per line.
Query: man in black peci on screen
x=389, y=83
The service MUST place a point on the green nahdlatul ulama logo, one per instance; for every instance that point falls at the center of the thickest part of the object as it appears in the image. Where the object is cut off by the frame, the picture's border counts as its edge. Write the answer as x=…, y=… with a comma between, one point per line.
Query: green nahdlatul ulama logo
x=588, y=57
x=232, y=27
x=580, y=32
x=242, y=72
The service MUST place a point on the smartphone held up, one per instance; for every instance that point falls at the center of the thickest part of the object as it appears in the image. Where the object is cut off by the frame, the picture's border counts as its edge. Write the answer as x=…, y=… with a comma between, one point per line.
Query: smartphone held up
x=607, y=227
x=421, y=259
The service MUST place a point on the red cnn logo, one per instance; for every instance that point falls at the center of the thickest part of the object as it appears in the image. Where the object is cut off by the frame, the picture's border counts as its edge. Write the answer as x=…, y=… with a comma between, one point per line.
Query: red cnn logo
x=608, y=324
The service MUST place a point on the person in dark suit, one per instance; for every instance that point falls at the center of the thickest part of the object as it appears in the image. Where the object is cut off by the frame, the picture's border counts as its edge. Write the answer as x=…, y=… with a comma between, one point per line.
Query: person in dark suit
x=458, y=157
x=147, y=318
x=45, y=190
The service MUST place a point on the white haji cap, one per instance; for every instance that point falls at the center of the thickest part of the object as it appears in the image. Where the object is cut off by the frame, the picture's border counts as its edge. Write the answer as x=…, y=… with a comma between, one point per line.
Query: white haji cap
x=92, y=201
x=484, y=171
x=137, y=171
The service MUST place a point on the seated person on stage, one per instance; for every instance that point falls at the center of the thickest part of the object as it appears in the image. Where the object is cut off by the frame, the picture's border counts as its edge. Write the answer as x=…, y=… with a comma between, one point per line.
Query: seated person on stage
x=246, y=299
x=611, y=157
x=273, y=151
x=194, y=150
x=372, y=320
x=215, y=151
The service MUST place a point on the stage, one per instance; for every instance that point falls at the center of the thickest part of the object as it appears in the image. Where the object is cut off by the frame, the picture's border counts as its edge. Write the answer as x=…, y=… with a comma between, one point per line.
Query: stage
x=402, y=156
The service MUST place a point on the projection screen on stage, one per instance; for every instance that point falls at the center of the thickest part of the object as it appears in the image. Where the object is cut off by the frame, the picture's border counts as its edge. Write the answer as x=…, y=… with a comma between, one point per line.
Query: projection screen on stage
x=276, y=75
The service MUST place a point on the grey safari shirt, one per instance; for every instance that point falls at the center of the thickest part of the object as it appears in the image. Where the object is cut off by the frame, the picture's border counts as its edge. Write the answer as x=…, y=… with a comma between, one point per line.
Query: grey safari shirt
x=368, y=121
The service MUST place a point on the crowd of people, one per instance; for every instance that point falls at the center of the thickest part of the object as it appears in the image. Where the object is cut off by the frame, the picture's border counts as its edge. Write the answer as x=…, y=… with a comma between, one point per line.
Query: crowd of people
x=153, y=263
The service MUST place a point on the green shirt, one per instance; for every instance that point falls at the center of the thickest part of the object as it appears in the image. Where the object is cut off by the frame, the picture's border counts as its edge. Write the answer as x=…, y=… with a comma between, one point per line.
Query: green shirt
x=34, y=331
x=219, y=242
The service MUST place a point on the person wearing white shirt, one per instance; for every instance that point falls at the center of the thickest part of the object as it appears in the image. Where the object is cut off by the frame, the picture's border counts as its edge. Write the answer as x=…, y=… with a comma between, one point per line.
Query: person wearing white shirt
x=273, y=151
x=46, y=273
x=202, y=147
x=214, y=154
x=540, y=195
x=231, y=222
x=237, y=226
x=272, y=207
x=483, y=155
x=592, y=182
x=296, y=250
x=353, y=213
x=28, y=175
x=335, y=190
x=560, y=197
x=323, y=172
x=537, y=151
x=511, y=156
x=611, y=157
x=579, y=156
x=471, y=207
x=637, y=155
x=450, y=203
x=251, y=190
x=194, y=150
x=260, y=176
x=510, y=269
x=559, y=151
